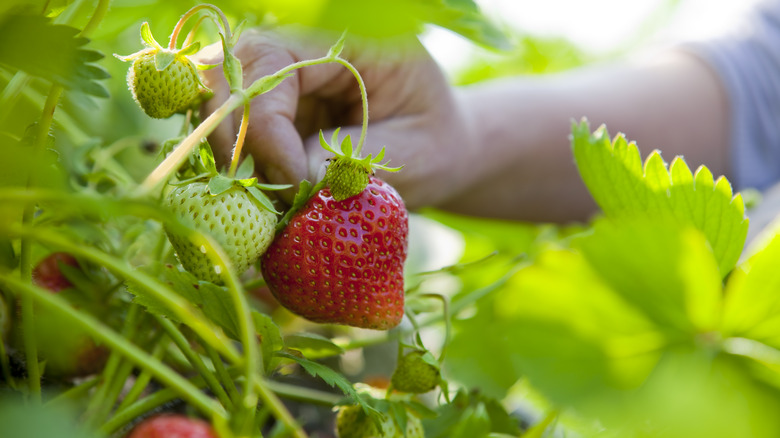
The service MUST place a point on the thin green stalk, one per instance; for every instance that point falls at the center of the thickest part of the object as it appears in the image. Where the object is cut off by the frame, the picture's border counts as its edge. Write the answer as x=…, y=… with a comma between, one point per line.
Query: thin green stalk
x=276, y=406
x=113, y=391
x=239, y=142
x=189, y=392
x=182, y=308
x=302, y=394
x=15, y=86
x=142, y=406
x=80, y=390
x=25, y=253
x=364, y=101
x=184, y=346
x=189, y=14
x=145, y=377
x=100, y=12
x=226, y=379
x=165, y=169
x=98, y=400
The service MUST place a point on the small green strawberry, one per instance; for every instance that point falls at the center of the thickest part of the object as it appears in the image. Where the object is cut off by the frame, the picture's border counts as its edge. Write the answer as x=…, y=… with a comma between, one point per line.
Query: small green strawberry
x=417, y=372
x=352, y=422
x=233, y=211
x=163, y=81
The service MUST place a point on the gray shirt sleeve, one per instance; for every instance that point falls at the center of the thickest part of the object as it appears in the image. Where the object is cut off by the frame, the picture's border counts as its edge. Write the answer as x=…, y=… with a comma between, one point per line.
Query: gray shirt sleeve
x=748, y=62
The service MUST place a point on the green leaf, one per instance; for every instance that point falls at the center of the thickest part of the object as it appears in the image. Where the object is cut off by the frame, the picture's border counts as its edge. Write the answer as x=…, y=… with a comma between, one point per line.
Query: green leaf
x=312, y=345
x=219, y=184
x=20, y=419
x=667, y=272
x=752, y=302
x=163, y=59
x=214, y=301
x=623, y=187
x=571, y=334
x=53, y=52
x=463, y=17
x=337, y=47
x=8, y=258
x=329, y=376
x=231, y=67
x=246, y=168
x=266, y=84
x=270, y=337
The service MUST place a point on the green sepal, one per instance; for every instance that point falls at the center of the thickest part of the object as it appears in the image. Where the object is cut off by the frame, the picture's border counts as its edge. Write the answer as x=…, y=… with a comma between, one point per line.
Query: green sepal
x=337, y=47
x=325, y=145
x=262, y=199
x=237, y=30
x=190, y=50
x=219, y=184
x=207, y=158
x=346, y=146
x=163, y=58
x=148, y=38
x=246, y=168
x=265, y=186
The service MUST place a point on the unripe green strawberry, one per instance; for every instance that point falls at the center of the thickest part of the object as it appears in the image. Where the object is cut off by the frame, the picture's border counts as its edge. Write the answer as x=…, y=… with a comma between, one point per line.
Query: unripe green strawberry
x=241, y=226
x=163, y=93
x=416, y=372
x=352, y=422
x=346, y=177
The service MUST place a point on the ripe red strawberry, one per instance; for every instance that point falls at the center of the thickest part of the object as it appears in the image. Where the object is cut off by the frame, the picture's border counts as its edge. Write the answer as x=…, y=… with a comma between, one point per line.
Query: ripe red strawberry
x=172, y=426
x=341, y=262
x=48, y=274
x=417, y=372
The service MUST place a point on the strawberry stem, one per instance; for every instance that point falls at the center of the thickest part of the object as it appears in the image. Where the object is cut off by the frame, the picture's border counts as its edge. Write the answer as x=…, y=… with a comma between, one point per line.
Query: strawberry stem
x=194, y=10
x=364, y=101
x=239, y=141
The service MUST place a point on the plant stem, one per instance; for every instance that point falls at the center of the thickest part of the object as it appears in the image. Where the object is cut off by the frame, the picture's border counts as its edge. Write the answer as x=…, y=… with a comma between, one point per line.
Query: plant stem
x=226, y=379
x=100, y=12
x=25, y=254
x=67, y=397
x=100, y=331
x=163, y=171
x=145, y=377
x=239, y=141
x=146, y=404
x=364, y=101
x=182, y=308
x=187, y=15
x=183, y=344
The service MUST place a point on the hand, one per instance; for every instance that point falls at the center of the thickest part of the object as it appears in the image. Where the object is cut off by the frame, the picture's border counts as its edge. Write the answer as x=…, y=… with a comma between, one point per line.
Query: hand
x=412, y=110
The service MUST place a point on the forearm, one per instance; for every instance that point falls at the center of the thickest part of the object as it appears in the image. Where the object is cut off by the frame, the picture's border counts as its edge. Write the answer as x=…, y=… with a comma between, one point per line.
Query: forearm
x=526, y=171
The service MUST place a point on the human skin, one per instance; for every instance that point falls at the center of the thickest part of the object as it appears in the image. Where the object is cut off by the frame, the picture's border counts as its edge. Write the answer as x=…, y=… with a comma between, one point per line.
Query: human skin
x=498, y=149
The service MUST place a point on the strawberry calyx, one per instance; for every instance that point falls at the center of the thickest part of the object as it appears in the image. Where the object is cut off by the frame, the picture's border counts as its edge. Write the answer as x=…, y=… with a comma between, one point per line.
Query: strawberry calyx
x=219, y=183
x=163, y=57
x=347, y=174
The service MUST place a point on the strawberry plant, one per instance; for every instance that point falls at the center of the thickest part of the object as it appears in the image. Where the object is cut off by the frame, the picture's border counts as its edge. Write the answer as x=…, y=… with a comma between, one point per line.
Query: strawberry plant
x=147, y=292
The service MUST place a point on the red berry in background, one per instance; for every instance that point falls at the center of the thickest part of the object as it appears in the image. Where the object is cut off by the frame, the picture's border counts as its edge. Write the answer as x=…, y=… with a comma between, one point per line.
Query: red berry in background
x=341, y=262
x=48, y=274
x=68, y=351
x=172, y=426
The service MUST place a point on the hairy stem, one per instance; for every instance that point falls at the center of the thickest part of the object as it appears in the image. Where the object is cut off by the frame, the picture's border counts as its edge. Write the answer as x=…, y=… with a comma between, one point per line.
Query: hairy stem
x=189, y=14
x=239, y=142
x=364, y=101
